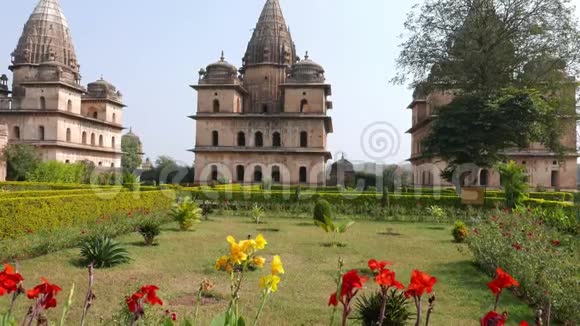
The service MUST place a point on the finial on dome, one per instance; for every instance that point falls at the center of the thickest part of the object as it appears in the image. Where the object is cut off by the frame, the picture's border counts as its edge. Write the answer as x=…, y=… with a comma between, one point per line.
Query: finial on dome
x=306, y=56
x=222, y=58
x=102, y=77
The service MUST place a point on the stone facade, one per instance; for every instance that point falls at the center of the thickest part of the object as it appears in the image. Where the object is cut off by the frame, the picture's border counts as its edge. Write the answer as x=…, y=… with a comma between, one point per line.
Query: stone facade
x=269, y=119
x=544, y=168
x=48, y=107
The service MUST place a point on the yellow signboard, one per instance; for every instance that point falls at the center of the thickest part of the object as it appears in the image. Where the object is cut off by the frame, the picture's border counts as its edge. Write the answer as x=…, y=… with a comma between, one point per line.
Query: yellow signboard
x=473, y=196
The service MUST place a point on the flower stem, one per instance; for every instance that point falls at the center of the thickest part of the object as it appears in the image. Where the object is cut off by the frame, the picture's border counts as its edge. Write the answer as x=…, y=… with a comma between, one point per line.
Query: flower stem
x=496, y=302
x=90, y=295
x=264, y=297
x=383, y=306
x=418, y=305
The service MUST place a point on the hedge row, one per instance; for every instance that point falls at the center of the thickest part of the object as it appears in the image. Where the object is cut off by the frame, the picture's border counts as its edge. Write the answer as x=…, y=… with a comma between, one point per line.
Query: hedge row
x=24, y=186
x=19, y=216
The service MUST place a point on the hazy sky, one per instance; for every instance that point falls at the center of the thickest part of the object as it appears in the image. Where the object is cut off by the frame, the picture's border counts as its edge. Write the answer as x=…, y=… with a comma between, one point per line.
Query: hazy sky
x=152, y=50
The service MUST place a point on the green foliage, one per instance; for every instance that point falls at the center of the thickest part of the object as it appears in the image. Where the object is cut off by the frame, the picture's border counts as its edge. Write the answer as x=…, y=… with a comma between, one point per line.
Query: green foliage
x=149, y=229
x=186, y=213
x=20, y=160
x=131, y=182
x=58, y=172
x=460, y=232
x=543, y=260
x=513, y=180
x=103, y=252
x=323, y=214
x=257, y=213
x=437, y=212
x=368, y=308
x=131, y=159
x=21, y=216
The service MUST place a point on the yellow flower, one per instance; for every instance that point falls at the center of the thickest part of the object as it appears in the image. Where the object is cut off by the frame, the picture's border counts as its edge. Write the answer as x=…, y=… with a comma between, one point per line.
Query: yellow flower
x=277, y=267
x=231, y=240
x=259, y=261
x=270, y=282
x=247, y=245
x=237, y=253
x=221, y=263
x=261, y=242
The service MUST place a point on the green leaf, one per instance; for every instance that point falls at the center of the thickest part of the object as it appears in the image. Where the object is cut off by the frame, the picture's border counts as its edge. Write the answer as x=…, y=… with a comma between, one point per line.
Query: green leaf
x=241, y=322
x=345, y=226
x=219, y=320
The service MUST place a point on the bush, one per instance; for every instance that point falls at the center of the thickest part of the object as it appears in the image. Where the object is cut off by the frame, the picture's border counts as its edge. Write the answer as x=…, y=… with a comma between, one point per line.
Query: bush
x=149, y=229
x=460, y=232
x=543, y=260
x=58, y=172
x=437, y=213
x=186, y=213
x=103, y=252
x=21, y=216
x=257, y=213
x=396, y=312
x=513, y=180
x=322, y=212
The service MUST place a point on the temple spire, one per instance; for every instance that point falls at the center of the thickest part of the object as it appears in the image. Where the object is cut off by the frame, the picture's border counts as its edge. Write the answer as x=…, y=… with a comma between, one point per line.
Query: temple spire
x=46, y=38
x=271, y=41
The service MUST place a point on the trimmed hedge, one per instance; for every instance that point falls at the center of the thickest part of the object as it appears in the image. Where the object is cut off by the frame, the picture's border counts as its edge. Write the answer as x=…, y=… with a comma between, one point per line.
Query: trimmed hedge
x=19, y=216
x=56, y=193
x=27, y=186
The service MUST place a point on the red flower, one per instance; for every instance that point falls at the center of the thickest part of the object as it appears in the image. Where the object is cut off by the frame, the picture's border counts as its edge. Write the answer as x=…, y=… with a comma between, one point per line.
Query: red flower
x=46, y=293
x=351, y=283
x=476, y=231
x=517, y=246
x=494, y=319
x=375, y=265
x=332, y=301
x=147, y=294
x=502, y=281
x=556, y=243
x=420, y=283
x=386, y=278
x=173, y=315
x=524, y=323
x=9, y=280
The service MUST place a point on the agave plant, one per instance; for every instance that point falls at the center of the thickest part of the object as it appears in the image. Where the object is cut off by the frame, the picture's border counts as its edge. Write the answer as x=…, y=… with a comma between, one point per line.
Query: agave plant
x=186, y=213
x=103, y=252
x=257, y=214
x=396, y=312
x=149, y=229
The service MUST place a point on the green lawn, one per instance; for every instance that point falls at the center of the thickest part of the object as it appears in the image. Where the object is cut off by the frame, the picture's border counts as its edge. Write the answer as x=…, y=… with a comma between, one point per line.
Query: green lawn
x=183, y=259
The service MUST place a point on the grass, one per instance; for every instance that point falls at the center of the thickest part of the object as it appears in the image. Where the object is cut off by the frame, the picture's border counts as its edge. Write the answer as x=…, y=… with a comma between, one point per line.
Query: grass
x=183, y=259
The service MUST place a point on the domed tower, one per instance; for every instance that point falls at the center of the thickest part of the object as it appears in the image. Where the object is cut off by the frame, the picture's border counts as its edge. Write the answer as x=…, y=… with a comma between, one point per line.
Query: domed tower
x=50, y=109
x=270, y=122
x=270, y=54
x=4, y=93
x=342, y=173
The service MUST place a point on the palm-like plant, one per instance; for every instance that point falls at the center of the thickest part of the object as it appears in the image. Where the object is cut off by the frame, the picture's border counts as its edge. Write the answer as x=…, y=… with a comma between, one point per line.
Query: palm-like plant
x=103, y=252
x=323, y=219
x=257, y=213
x=396, y=312
x=186, y=213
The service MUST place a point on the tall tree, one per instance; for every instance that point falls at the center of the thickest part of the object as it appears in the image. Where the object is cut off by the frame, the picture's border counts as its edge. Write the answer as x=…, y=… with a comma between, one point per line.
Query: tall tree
x=131, y=147
x=21, y=160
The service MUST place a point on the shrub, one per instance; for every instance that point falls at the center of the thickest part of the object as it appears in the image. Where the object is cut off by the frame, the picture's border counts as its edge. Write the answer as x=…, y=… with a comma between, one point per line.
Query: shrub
x=21, y=159
x=21, y=216
x=257, y=213
x=186, y=213
x=396, y=312
x=322, y=212
x=513, y=180
x=58, y=172
x=460, y=232
x=149, y=229
x=103, y=252
x=543, y=260
x=437, y=213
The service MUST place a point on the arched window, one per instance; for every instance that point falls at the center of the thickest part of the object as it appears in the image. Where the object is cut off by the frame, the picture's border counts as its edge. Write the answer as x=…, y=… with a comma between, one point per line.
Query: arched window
x=276, y=140
x=214, y=172
x=276, y=174
x=16, y=133
x=265, y=108
x=93, y=140
x=68, y=135
x=114, y=117
x=100, y=163
x=303, y=175
x=112, y=165
x=259, y=139
x=42, y=103
x=69, y=106
x=555, y=179
x=258, y=174
x=304, y=139
x=101, y=141
x=84, y=137
x=240, y=171
x=41, y=133
x=216, y=106
x=215, y=138
x=424, y=179
x=303, y=105
x=484, y=178
x=95, y=115
x=113, y=143
x=241, y=139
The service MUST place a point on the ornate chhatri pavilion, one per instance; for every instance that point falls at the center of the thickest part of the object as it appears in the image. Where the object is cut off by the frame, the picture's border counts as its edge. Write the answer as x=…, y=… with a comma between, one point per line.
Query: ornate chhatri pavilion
x=48, y=107
x=267, y=120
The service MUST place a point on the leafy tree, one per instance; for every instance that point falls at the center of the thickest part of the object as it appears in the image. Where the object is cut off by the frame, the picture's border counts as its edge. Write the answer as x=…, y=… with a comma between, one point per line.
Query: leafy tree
x=480, y=46
x=20, y=159
x=131, y=147
x=167, y=170
x=57, y=172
